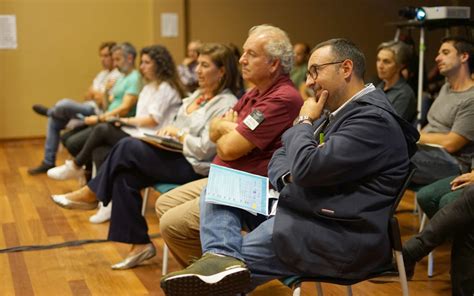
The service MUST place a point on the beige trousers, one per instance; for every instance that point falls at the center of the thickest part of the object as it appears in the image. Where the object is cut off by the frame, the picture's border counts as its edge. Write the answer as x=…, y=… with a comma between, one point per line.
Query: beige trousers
x=178, y=211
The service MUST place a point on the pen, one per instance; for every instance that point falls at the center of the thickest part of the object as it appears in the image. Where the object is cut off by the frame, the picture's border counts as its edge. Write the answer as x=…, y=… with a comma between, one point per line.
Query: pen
x=321, y=138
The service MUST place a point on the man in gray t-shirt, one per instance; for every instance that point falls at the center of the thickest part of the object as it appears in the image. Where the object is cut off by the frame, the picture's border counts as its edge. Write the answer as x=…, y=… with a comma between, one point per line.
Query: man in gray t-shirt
x=451, y=118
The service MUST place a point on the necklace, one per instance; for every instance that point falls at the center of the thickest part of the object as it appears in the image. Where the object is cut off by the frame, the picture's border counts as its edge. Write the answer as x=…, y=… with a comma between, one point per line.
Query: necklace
x=202, y=100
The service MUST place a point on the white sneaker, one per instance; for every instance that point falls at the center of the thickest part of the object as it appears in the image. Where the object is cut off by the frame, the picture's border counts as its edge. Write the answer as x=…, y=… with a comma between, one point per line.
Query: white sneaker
x=66, y=171
x=102, y=215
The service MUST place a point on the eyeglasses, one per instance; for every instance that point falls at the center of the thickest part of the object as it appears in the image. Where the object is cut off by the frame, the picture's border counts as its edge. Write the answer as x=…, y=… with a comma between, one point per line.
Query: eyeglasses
x=313, y=70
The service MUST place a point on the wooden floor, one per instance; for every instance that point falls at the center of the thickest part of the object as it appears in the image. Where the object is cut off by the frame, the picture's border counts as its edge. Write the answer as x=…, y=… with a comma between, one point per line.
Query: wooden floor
x=28, y=217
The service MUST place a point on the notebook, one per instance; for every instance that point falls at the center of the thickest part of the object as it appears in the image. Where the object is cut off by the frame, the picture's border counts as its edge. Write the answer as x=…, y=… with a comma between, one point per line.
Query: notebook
x=167, y=143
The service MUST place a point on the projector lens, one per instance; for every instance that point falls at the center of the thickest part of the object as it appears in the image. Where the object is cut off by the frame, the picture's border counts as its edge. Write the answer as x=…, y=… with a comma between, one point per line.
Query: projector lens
x=420, y=14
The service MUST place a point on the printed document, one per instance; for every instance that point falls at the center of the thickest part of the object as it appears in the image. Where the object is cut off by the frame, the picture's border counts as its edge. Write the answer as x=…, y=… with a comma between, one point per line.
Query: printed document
x=239, y=189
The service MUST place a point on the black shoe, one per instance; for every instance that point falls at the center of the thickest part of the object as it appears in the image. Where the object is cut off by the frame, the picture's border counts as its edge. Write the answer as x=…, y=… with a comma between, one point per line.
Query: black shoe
x=409, y=267
x=40, y=109
x=391, y=274
x=41, y=169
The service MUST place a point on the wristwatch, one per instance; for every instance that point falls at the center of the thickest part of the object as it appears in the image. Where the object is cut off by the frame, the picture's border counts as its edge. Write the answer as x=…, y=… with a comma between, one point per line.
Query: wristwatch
x=303, y=118
x=180, y=133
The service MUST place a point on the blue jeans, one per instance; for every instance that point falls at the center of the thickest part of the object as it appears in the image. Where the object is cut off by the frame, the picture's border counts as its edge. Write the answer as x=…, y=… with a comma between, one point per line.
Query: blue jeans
x=220, y=231
x=58, y=117
x=433, y=164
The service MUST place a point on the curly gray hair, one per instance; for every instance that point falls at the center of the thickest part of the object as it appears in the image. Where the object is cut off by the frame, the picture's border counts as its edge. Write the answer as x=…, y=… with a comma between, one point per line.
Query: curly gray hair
x=127, y=49
x=277, y=47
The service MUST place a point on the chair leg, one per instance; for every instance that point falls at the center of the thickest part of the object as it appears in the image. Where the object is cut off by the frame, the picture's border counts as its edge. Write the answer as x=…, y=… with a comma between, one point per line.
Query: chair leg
x=297, y=290
x=415, y=205
x=402, y=273
x=430, y=264
x=430, y=267
x=319, y=289
x=349, y=290
x=164, y=268
x=94, y=170
x=145, y=200
x=424, y=217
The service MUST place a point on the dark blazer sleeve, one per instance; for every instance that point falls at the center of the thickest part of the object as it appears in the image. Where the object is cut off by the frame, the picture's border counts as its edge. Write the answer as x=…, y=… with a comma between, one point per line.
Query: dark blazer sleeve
x=343, y=157
x=277, y=167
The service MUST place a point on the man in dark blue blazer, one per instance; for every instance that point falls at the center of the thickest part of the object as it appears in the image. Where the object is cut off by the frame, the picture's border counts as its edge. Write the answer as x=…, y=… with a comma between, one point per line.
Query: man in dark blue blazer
x=338, y=177
x=338, y=173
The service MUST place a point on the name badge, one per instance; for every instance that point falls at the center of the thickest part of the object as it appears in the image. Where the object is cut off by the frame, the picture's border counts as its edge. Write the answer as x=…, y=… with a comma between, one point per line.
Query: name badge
x=253, y=120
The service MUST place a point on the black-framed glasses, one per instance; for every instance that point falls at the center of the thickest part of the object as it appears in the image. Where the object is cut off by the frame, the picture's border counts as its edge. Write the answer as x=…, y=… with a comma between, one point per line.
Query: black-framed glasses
x=313, y=70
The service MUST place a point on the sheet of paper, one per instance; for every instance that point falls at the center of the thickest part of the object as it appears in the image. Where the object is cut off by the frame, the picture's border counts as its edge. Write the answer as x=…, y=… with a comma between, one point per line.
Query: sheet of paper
x=238, y=189
x=8, y=36
x=169, y=25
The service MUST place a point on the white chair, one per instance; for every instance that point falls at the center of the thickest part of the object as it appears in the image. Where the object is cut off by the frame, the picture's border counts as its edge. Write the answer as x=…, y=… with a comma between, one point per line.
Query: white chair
x=423, y=220
x=430, y=255
x=162, y=188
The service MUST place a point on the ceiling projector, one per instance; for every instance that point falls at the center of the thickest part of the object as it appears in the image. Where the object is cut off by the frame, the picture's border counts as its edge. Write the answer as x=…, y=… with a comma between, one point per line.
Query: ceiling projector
x=443, y=12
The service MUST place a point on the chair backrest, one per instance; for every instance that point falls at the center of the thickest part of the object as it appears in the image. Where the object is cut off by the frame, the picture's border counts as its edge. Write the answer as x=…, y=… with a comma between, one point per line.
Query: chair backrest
x=393, y=226
x=403, y=188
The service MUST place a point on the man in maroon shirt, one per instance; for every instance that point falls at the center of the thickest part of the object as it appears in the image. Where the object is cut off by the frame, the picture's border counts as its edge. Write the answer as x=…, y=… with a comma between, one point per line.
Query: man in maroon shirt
x=246, y=136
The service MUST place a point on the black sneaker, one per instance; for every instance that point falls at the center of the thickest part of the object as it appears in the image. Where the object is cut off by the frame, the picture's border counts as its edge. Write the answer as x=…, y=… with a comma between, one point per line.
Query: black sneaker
x=409, y=266
x=211, y=275
x=41, y=169
x=40, y=109
x=391, y=274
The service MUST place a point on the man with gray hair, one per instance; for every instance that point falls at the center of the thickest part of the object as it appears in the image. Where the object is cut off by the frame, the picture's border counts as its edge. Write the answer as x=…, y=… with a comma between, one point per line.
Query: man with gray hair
x=66, y=109
x=246, y=136
x=337, y=177
x=121, y=102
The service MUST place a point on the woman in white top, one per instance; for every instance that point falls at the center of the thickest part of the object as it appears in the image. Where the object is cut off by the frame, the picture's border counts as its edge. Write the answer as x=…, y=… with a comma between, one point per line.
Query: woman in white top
x=133, y=164
x=157, y=105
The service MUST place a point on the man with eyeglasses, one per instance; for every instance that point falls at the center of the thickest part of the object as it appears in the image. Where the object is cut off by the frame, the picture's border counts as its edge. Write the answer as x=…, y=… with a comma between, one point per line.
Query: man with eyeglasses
x=338, y=173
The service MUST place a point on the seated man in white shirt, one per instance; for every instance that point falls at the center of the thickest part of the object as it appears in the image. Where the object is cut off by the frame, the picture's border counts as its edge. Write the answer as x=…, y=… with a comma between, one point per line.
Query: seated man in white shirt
x=66, y=109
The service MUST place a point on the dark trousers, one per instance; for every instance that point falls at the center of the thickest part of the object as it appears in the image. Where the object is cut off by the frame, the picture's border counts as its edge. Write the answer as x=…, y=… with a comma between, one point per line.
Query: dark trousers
x=131, y=166
x=456, y=220
x=437, y=195
x=103, y=134
x=100, y=154
x=75, y=139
